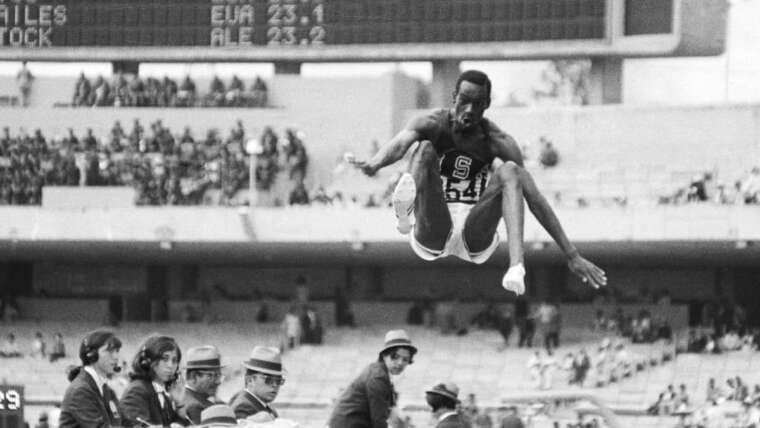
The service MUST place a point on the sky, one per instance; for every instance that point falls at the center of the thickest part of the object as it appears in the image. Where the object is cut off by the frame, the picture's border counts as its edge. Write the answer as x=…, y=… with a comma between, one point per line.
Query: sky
x=731, y=77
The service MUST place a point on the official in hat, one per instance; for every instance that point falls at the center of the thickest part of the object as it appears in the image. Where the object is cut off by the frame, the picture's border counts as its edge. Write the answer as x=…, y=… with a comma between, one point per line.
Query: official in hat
x=443, y=399
x=264, y=375
x=218, y=415
x=368, y=400
x=203, y=375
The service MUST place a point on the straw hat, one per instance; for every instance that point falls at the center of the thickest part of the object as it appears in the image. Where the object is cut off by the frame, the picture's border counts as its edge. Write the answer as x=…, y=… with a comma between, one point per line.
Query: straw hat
x=266, y=360
x=448, y=390
x=396, y=339
x=203, y=357
x=218, y=415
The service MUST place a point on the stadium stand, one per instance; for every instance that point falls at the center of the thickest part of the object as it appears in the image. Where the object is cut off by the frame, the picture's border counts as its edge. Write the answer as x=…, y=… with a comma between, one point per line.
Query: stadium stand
x=472, y=361
x=140, y=91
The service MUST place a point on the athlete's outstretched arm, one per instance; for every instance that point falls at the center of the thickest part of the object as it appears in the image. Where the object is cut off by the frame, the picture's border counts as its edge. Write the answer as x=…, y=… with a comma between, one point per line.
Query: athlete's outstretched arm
x=508, y=150
x=395, y=149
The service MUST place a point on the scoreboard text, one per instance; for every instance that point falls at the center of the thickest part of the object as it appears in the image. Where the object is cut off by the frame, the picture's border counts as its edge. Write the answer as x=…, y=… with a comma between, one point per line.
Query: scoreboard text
x=241, y=23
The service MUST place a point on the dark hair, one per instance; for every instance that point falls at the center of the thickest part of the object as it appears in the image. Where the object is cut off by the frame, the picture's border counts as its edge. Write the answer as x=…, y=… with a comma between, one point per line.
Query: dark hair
x=474, y=76
x=392, y=352
x=88, y=349
x=438, y=401
x=150, y=351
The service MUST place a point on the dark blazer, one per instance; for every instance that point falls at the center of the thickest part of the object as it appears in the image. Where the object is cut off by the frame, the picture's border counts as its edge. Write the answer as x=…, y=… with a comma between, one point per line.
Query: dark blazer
x=452, y=421
x=244, y=404
x=192, y=404
x=140, y=400
x=367, y=401
x=85, y=407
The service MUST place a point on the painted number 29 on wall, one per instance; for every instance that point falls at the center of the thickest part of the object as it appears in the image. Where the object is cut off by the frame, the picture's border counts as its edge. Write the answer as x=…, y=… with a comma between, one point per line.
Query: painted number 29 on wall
x=10, y=399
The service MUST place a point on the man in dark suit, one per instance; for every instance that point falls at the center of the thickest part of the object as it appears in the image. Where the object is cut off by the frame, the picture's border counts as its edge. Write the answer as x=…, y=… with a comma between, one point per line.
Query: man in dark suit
x=88, y=401
x=443, y=400
x=203, y=376
x=263, y=379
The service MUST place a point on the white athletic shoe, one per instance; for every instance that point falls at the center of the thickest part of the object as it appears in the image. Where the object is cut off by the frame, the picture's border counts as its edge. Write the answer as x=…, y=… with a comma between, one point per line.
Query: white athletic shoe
x=403, y=202
x=514, y=279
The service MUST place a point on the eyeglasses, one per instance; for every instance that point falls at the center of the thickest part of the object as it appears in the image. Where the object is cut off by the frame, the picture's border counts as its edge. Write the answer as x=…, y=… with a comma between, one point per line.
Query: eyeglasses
x=273, y=380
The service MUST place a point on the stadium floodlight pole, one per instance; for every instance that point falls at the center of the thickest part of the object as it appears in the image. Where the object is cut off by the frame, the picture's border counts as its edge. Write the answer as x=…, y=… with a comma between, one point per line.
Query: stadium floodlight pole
x=254, y=148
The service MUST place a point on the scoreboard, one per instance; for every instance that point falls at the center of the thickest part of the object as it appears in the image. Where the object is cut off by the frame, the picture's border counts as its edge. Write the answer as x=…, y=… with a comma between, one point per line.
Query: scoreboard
x=11, y=406
x=218, y=23
x=325, y=30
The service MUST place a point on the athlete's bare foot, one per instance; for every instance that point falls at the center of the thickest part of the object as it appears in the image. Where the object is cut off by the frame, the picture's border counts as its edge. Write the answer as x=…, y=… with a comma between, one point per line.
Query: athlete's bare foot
x=514, y=279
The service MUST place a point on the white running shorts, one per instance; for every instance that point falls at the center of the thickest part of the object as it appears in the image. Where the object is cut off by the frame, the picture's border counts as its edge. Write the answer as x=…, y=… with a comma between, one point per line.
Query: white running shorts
x=455, y=245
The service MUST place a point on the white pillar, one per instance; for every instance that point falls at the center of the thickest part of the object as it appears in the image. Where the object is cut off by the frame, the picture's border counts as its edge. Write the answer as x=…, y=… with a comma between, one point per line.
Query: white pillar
x=445, y=74
x=606, y=81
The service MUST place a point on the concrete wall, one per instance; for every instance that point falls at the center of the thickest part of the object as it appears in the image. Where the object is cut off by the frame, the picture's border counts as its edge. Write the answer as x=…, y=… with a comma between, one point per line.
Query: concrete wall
x=645, y=139
x=333, y=224
x=79, y=310
x=367, y=313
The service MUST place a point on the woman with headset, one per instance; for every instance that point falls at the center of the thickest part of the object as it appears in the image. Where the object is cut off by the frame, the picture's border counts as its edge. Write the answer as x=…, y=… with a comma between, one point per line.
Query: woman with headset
x=88, y=401
x=155, y=369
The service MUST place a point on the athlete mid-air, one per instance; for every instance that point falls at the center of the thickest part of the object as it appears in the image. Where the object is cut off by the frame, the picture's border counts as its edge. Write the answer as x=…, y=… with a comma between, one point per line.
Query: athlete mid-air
x=456, y=194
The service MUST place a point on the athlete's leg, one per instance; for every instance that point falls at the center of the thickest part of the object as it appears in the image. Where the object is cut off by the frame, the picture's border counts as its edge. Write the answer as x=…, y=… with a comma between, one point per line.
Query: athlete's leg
x=432, y=218
x=503, y=198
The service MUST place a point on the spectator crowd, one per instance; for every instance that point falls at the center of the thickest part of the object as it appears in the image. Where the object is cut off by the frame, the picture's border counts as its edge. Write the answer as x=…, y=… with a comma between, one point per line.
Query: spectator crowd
x=138, y=91
x=706, y=187
x=164, y=168
x=39, y=349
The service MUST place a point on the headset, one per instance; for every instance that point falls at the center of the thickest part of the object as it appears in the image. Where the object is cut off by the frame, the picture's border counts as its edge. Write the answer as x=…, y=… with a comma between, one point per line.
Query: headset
x=90, y=352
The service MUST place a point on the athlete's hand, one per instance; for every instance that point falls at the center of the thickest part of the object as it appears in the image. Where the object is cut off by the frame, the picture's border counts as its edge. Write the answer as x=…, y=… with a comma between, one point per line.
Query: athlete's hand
x=361, y=165
x=587, y=271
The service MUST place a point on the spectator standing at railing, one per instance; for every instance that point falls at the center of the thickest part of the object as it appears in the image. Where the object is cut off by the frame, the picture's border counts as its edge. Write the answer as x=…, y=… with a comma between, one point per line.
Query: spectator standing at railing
x=186, y=94
x=216, y=92
x=259, y=93
x=100, y=93
x=267, y=162
x=38, y=346
x=10, y=347
x=750, y=188
x=295, y=155
x=58, y=350
x=118, y=137
x=136, y=91
x=136, y=135
x=82, y=89
x=170, y=91
x=24, y=79
x=234, y=93
x=120, y=91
